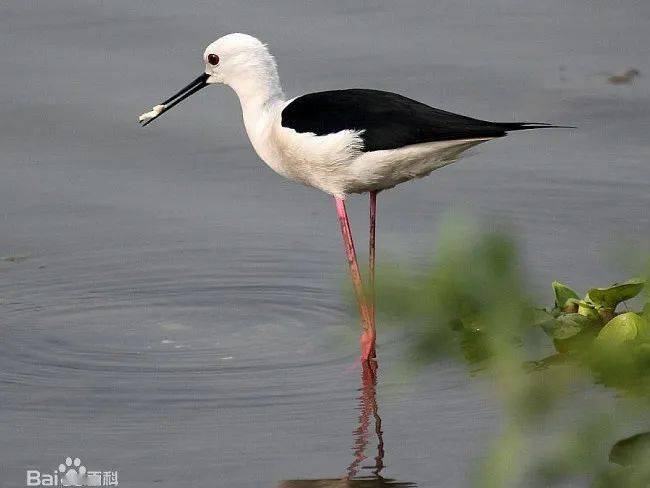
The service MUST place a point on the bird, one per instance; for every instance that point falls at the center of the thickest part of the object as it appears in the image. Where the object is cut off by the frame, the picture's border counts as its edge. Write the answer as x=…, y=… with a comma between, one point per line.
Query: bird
x=343, y=142
x=624, y=78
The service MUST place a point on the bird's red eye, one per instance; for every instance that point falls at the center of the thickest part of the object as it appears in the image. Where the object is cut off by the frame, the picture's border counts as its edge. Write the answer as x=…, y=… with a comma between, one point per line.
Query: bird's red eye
x=213, y=59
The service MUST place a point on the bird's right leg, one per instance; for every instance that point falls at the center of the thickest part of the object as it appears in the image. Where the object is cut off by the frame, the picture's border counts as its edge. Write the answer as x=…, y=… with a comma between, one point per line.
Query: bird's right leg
x=368, y=336
x=371, y=254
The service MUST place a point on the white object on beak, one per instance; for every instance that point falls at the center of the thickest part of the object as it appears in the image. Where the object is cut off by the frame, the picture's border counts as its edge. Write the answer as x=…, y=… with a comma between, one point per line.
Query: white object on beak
x=155, y=112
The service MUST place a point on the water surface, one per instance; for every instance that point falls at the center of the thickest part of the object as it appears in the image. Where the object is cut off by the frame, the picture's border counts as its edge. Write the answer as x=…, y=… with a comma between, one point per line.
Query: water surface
x=172, y=309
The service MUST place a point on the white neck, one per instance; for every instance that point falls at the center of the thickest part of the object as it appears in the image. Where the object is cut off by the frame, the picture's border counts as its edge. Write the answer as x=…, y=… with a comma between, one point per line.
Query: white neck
x=261, y=98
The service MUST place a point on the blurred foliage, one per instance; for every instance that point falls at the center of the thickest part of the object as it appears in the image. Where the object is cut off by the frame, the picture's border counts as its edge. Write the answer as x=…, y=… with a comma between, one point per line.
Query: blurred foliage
x=561, y=411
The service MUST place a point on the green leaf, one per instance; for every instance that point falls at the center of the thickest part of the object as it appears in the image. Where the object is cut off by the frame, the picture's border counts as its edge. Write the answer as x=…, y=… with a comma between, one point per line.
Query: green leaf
x=631, y=450
x=587, y=309
x=623, y=328
x=562, y=294
x=566, y=326
x=619, y=292
x=540, y=317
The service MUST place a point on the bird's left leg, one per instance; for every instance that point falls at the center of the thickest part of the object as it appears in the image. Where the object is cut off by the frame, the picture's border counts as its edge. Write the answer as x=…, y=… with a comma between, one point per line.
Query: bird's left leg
x=368, y=336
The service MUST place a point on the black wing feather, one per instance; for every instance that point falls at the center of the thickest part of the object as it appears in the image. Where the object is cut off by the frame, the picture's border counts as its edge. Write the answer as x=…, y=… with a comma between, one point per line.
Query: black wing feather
x=389, y=120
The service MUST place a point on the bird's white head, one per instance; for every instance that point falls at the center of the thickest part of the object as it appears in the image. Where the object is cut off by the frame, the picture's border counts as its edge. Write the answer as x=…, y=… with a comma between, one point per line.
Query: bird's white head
x=238, y=60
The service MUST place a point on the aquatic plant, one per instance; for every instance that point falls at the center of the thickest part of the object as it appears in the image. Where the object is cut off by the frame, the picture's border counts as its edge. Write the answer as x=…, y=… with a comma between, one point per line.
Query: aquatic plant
x=560, y=411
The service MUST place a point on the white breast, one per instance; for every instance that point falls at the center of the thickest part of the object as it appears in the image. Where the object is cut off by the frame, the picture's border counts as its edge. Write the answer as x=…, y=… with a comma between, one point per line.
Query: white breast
x=318, y=161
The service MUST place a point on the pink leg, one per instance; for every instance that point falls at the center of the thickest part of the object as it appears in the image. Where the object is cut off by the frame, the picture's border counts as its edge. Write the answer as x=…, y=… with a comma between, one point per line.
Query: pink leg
x=368, y=336
x=371, y=254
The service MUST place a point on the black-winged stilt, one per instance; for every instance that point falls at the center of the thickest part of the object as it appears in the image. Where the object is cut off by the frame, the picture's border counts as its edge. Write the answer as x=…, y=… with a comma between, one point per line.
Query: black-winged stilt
x=342, y=141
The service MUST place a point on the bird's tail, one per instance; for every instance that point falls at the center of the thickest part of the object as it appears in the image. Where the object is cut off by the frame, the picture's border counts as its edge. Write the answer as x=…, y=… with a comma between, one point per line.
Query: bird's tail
x=508, y=126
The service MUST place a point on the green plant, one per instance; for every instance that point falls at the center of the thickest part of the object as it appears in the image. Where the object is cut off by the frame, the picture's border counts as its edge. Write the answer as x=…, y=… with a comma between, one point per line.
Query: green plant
x=576, y=322
x=471, y=304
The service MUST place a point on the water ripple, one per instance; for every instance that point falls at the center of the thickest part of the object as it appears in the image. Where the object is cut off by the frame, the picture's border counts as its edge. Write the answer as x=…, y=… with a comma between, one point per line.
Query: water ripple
x=177, y=335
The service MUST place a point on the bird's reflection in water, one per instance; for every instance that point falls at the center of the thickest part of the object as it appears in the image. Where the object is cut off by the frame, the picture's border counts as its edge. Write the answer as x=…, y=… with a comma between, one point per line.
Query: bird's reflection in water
x=368, y=414
x=363, y=482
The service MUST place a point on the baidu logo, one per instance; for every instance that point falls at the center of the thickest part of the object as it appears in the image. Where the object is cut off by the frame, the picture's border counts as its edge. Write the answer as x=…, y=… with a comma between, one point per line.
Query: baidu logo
x=71, y=472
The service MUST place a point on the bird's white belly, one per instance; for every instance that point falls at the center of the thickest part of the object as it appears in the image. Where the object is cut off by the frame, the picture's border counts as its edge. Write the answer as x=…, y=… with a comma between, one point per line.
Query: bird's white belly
x=380, y=170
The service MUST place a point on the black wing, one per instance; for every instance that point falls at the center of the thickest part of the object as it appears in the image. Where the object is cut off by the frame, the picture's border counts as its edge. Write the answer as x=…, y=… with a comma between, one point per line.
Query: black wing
x=388, y=120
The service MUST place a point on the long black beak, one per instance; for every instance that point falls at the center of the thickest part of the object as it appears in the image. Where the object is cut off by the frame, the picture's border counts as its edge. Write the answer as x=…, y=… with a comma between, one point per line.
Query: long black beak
x=190, y=89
